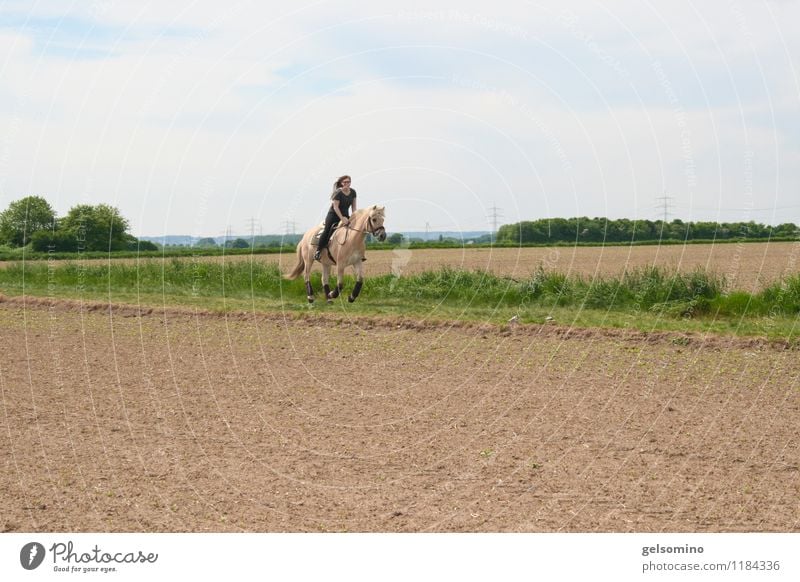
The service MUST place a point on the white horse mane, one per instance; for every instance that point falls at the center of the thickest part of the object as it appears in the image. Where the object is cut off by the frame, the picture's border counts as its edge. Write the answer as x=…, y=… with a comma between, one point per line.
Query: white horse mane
x=375, y=211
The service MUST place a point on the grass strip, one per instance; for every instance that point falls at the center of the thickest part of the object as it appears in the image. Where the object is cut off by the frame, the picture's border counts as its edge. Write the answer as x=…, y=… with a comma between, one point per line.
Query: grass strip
x=652, y=293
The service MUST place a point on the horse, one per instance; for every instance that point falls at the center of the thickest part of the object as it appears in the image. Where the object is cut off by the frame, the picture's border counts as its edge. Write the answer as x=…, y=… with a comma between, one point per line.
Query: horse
x=345, y=248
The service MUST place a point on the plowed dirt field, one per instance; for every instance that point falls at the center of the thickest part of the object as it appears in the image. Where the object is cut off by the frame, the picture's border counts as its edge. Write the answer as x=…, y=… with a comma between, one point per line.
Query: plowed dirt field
x=115, y=420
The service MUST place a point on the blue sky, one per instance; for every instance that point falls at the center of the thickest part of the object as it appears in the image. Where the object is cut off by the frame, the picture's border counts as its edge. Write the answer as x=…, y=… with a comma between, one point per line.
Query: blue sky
x=193, y=118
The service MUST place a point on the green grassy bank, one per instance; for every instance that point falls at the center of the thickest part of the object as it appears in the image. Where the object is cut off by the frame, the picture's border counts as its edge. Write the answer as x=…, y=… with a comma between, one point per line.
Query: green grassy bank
x=651, y=298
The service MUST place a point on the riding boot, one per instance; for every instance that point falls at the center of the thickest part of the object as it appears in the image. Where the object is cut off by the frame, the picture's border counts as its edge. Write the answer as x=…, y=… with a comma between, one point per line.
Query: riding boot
x=318, y=254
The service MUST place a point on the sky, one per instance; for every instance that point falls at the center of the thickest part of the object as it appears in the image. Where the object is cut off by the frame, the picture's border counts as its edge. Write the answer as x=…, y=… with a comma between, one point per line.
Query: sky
x=195, y=117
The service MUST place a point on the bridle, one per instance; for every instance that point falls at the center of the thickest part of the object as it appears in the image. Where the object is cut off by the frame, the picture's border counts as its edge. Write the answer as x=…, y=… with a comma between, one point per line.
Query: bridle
x=371, y=229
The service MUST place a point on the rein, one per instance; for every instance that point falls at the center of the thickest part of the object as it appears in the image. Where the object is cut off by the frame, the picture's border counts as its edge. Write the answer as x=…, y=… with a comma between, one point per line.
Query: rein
x=348, y=228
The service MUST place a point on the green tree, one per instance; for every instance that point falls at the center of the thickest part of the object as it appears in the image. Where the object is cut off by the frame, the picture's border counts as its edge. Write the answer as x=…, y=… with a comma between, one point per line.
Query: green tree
x=598, y=229
x=786, y=229
x=621, y=229
x=509, y=232
x=97, y=228
x=23, y=218
x=395, y=238
x=135, y=244
x=206, y=242
x=239, y=243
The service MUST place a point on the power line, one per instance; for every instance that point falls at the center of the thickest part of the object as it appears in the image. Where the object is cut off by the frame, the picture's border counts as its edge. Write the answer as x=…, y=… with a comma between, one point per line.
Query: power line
x=720, y=209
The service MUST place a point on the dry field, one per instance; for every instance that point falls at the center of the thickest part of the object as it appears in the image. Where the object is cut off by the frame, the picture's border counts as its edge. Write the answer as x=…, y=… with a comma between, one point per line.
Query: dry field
x=747, y=267
x=113, y=420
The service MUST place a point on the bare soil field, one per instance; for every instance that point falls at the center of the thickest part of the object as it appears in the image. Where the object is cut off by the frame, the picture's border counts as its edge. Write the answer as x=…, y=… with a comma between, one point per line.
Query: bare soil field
x=746, y=266
x=115, y=420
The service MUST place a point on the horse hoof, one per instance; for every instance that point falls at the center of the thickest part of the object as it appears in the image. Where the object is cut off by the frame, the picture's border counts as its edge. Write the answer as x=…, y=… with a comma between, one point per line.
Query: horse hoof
x=310, y=298
x=351, y=299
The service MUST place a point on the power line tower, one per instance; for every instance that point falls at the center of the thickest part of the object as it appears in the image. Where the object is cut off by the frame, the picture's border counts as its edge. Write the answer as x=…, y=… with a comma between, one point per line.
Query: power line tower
x=252, y=222
x=427, y=230
x=495, y=214
x=663, y=205
x=226, y=235
x=289, y=227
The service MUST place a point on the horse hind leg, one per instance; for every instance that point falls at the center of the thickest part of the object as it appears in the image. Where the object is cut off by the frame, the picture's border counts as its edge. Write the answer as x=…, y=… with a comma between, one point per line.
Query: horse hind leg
x=326, y=275
x=307, y=276
x=309, y=292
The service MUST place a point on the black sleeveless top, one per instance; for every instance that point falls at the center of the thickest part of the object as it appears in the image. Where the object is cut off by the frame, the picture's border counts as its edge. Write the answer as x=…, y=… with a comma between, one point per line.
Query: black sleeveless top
x=345, y=201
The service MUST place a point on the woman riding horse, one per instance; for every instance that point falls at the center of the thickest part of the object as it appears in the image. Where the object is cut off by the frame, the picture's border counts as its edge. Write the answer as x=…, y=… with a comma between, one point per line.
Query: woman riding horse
x=348, y=245
x=342, y=198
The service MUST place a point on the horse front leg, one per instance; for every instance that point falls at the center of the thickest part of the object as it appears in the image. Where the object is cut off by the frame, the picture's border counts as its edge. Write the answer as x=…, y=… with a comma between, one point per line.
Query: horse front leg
x=359, y=282
x=339, y=281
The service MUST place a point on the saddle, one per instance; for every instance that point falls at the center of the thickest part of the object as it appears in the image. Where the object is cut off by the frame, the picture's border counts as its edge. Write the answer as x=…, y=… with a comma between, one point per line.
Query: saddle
x=315, y=238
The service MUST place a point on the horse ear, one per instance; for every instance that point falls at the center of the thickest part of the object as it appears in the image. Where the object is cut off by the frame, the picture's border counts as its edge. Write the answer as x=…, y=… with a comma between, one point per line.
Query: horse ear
x=374, y=206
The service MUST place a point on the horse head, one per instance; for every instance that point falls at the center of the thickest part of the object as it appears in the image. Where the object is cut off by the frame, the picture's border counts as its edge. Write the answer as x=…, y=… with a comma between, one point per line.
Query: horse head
x=375, y=222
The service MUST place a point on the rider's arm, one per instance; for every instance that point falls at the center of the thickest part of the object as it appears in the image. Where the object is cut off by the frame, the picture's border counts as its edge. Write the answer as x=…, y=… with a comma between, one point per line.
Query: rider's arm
x=336, y=209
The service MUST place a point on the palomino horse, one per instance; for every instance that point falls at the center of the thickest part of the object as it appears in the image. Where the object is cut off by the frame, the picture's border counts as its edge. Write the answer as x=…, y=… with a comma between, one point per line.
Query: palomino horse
x=347, y=248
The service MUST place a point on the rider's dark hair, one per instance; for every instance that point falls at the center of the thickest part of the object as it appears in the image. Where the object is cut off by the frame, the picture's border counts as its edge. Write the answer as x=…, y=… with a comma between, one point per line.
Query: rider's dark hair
x=338, y=184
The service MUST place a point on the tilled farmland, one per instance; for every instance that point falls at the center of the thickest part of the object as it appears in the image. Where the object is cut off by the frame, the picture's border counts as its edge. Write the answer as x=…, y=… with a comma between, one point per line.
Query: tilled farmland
x=117, y=418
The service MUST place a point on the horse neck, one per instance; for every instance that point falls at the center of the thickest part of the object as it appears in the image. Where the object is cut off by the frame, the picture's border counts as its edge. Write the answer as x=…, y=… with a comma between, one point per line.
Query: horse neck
x=361, y=222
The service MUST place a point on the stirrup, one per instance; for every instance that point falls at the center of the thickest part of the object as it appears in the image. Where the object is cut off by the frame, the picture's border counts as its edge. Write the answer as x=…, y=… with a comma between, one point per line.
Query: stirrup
x=318, y=255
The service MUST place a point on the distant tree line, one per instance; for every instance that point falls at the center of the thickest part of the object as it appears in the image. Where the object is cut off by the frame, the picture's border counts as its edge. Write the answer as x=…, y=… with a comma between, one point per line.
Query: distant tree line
x=234, y=243
x=584, y=229
x=100, y=227
x=31, y=222
x=258, y=242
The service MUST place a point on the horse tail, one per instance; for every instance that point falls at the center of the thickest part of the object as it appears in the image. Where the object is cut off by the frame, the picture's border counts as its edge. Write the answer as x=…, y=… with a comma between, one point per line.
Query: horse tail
x=300, y=264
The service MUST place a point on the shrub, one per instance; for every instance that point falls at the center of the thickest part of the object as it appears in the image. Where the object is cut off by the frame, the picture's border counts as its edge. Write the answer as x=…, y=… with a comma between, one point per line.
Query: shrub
x=58, y=241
